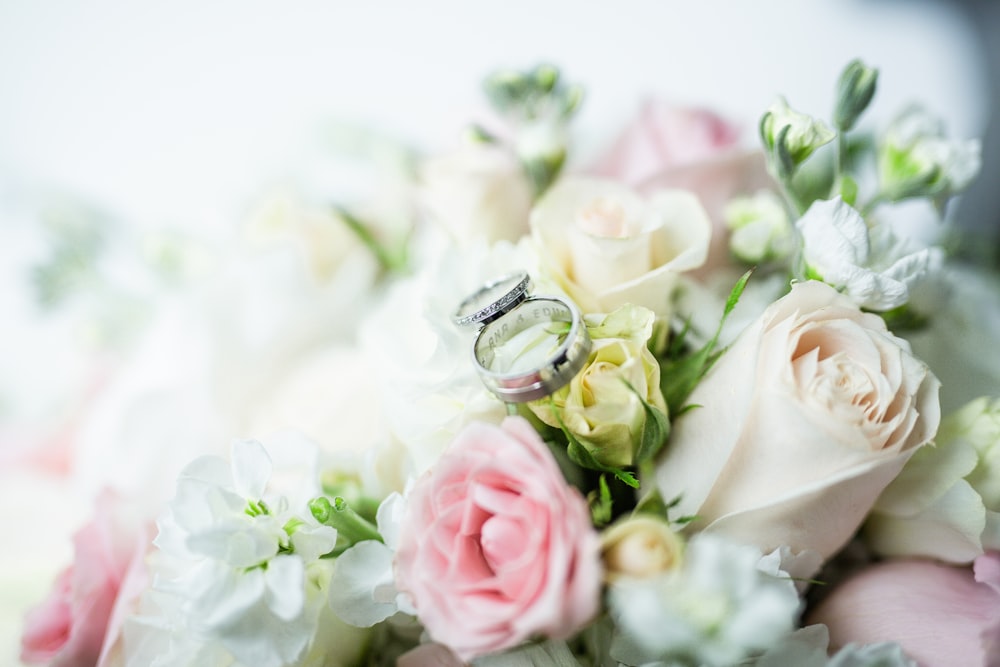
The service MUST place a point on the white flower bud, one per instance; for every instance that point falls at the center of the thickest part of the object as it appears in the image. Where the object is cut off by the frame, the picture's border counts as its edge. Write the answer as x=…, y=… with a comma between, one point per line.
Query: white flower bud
x=761, y=230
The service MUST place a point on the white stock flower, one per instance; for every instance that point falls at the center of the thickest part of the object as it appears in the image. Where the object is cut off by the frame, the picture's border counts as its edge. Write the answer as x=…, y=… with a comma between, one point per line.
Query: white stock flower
x=871, y=266
x=363, y=588
x=760, y=228
x=421, y=361
x=917, y=159
x=808, y=647
x=790, y=132
x=945, y=504
x=716, y=610
x=237, y=568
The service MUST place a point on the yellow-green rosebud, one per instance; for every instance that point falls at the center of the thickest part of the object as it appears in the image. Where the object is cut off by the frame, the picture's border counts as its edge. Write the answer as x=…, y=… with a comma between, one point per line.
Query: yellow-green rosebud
x=603, y=406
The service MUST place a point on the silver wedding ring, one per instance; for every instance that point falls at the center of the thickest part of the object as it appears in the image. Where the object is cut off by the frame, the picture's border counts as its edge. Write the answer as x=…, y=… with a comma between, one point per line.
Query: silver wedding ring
x=558, y=368
x=493, y=300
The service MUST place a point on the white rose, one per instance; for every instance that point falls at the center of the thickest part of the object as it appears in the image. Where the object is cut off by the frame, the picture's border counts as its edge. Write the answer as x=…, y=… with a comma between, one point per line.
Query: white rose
x=607, y=246
x=809, y=415
x=480, y=191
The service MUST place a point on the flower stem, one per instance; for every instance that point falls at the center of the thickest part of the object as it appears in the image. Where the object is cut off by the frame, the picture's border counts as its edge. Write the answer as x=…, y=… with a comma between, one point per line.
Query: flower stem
x=351, y=526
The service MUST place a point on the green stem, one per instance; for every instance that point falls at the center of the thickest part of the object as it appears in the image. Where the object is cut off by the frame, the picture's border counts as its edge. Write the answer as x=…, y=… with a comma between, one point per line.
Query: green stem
x=350, y=525
x=839, y=158
x=388, y=261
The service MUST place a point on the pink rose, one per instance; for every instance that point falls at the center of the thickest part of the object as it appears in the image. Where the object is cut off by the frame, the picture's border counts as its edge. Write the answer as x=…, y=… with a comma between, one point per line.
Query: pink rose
x=941, y=615
x=664, y=136
x=497, y=547
x=79, y=624
x=668, y=146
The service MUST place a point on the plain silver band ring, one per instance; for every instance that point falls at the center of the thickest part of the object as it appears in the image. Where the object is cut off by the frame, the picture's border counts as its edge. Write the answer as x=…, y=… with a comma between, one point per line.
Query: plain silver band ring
x=555, y=373
x=512, y=288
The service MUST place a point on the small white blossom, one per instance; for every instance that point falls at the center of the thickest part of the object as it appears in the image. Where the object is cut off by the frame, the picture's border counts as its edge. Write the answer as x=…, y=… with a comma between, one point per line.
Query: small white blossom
x=871, y=266
x=760, y=228
x=363, y=588
x=792, y=133
x=917, y=159
x=236, y=572
x=715, y=610
x=808, y=646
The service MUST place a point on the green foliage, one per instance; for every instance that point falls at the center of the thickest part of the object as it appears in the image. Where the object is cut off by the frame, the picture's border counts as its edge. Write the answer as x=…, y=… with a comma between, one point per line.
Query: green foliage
x=679, y=376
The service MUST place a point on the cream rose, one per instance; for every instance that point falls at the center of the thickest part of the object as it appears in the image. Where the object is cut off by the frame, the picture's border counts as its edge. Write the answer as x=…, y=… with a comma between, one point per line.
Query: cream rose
x=810, y=414
x=607, y=246
x=640, y=546
x=478, y=192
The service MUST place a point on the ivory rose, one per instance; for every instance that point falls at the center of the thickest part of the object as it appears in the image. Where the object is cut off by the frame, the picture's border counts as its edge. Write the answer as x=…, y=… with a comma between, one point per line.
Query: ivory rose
x=813, y=410
x=607, y=246
x=496, y=547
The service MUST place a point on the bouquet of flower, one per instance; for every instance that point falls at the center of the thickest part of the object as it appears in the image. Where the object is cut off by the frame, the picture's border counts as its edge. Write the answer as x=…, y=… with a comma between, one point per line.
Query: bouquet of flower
x=677, y=407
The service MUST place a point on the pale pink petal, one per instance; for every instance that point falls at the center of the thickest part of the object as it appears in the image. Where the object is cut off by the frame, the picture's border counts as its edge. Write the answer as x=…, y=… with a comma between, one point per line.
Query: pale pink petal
x=935, y=612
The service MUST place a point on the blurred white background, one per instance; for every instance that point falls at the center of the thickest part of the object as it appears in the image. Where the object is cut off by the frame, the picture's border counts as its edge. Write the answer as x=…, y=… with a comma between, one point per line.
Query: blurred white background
x=178, y=113
x=174, y=112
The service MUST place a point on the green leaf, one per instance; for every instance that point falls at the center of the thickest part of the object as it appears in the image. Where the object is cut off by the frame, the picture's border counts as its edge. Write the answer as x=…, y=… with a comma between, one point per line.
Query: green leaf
x=679, y=377
x=655, y=429
x=580, y=455
x=652, y=503
x=732, y=300
x=389, y=261
x=601, y=503
x=848, y=189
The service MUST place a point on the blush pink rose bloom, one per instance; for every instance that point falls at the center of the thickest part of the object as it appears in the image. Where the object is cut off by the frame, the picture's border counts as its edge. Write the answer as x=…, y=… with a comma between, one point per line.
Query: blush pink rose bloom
x=941, y=615
x=79, y=625
x=671, y=146
x=802, y=423
x=497, y=547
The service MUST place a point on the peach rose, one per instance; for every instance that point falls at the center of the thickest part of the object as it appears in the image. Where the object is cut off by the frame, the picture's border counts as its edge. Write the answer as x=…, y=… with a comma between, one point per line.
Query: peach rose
x=496, y=547
x=804, y=420
x=607, y=246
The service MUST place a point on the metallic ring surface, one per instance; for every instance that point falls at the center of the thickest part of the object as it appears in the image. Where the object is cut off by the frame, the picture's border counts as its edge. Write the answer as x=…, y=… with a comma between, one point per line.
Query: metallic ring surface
x=558, y=368
x=493, y=300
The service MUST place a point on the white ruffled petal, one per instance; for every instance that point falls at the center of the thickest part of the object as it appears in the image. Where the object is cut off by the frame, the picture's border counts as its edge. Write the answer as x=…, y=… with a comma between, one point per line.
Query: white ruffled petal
x=362, y=589
x=285, y=586
x=251, y=468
